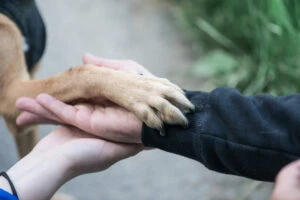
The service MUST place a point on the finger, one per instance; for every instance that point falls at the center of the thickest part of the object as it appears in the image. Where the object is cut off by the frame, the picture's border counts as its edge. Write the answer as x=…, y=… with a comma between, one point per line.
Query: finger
x=26, y=103
x=27, y=118
x=103, y=124
x=99, y=122
x=32, y=106
x=63, y=113
x=124, y=65
x=101, y=62
x=287, y=183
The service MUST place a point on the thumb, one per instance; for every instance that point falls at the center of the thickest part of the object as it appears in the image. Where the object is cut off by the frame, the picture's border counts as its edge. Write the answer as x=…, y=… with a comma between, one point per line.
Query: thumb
x=287, y=185
x=88, y=58
x=101, y=62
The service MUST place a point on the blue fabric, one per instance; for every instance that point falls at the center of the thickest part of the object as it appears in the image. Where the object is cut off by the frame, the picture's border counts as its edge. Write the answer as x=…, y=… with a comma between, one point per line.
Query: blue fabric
x=231, y=133
x=6, y=196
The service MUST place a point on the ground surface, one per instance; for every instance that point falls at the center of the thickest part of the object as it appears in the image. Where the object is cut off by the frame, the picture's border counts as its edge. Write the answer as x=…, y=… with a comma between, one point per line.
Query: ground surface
x=143, y=31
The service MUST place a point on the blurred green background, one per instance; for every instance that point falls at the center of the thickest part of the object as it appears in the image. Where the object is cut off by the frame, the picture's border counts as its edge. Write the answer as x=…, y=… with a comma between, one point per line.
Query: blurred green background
x=251, y=45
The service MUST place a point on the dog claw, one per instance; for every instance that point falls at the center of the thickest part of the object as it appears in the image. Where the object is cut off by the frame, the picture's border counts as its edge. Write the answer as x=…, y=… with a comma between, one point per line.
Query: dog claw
x=162, y=132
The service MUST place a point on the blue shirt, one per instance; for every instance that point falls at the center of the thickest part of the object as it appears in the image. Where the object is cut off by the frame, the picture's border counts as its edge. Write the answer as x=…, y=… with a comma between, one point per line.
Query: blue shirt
x=6, y=196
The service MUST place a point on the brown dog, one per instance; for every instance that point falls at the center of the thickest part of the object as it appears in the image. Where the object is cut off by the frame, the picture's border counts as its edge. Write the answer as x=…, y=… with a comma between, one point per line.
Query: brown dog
x=153, y=100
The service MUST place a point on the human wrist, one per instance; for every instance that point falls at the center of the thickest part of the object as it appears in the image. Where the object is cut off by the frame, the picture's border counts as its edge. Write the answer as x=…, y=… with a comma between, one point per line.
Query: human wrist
x=4, y=185
x=37, y=172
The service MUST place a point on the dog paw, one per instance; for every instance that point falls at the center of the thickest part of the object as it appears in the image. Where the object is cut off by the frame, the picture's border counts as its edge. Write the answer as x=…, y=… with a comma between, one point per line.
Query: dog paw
x=157, y=101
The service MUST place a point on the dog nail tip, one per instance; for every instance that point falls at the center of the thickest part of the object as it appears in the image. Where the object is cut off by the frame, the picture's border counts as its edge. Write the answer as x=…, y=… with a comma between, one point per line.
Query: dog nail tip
x=162, y=132
x=189, y=110
x=186, y=125
x=192, y=109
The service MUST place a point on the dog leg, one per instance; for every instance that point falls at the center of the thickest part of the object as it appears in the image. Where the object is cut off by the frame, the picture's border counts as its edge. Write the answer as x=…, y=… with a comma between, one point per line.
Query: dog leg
x=26, y=141
x=25, y=137
x=13, y=66
x=153, y=100
x=34, y=70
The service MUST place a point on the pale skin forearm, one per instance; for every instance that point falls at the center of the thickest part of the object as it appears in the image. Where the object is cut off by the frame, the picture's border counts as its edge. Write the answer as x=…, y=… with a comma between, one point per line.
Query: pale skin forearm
x=60, y=156
x=4, y=185
x=37, y=177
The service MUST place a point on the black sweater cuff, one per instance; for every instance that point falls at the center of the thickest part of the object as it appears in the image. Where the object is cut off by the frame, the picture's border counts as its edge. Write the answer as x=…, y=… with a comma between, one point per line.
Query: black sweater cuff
x=230, y=133
x=176, y=140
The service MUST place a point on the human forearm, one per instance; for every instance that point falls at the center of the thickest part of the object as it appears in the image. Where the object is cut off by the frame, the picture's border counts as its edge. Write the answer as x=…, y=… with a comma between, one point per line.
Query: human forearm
x=234, y=134
x=60, y=156
x=37, y=177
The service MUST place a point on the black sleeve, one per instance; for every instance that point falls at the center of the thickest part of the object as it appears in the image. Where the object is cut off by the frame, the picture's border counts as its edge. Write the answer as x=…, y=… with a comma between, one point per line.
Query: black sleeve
x=252, y=136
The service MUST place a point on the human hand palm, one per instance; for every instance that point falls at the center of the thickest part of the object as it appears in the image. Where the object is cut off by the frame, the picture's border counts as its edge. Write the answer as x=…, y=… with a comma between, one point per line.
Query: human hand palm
x=109, y=122
x=84, y=153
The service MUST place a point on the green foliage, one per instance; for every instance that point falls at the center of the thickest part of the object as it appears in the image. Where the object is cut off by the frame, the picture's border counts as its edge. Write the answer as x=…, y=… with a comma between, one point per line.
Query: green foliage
x=253, y=45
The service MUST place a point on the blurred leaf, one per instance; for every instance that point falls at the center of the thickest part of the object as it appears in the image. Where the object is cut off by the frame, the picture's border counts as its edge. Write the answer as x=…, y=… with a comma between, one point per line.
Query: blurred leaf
x=215, y=34
x=178, y=13
x=214, y=63
x=253, y=45
x=274, y=28
x=280, y=14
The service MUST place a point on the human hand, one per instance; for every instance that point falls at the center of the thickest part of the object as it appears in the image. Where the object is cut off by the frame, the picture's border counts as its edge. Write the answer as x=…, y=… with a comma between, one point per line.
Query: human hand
x=82, y=152
x=62, y=155
x=104, y=120
x=109, y=122
x=122, y=65
x=287, y=185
